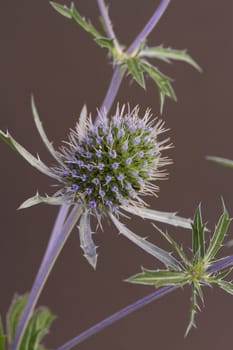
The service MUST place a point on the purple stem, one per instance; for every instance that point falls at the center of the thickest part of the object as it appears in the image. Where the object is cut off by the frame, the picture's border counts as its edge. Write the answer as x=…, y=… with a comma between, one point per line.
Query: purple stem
x=59, y=222
x=119, y=71
x=108, y=25
x=57, y=241
x=149, y=26
x=221, y=264
x=112, y=90
x=117, y=316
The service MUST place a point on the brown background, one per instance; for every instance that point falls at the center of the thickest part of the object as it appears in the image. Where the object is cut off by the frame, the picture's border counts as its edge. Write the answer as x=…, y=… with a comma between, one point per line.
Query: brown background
x=43, y=53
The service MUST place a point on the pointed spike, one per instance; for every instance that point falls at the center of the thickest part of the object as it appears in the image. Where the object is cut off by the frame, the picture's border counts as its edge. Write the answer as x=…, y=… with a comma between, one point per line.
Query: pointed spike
x=86, y=241
x=149, y=247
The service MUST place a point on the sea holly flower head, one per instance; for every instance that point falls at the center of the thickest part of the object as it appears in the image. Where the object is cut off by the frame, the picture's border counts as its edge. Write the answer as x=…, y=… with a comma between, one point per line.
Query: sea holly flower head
x=96, y=173
x=105, y=164
x=95, y=170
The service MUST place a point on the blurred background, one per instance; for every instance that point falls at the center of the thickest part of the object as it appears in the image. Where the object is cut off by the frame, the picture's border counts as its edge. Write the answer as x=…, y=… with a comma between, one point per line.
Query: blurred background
x=45, y=54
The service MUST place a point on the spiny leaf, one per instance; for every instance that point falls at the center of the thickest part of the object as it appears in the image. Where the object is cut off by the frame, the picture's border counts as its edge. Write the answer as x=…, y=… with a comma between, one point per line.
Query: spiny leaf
x=62, y=9
x=199, y=291
x=198, y=229
x=221, y=161
x=162, y=81
x=37, y=328
x=175, y=245
x=72, y=13
x=158, y=253
x=193, y=310
x=38, y=199
x=35, y=162
x=159, y=278
x=136, y=70
x=155, y=215
x=86, y=242
x=42, y=133
x=38, y=325
x=221, y=275
x=219, y=234
x=2, y=336
x=105, y=42
x=82, y=124
x=167, y=54
x=162, y=100
x=225, y=285
x=14, y=314
x=87, y=26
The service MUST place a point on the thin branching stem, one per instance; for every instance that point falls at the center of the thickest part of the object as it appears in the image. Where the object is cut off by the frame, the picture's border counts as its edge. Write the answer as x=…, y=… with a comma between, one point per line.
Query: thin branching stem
x=58, y=239
x=149, y=26
x=59, y=222
x=117, y=316
x=119, y=72
x=221, y=264
x=113, y=88
x=108, y=25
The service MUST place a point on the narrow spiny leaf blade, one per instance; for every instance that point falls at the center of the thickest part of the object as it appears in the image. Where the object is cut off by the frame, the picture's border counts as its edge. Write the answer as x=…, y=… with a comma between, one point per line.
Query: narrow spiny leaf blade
x=198, y=238
x=42, y=133
x=150, y=248
x=226, y=286
x=179, y=250
x=62, y=9
x=168, y=54
x=219, y=234
x=135, y=70
x=160, y=216
x=162, y=81
x=86, y=242
x=35, y=162
x=105, y=42
x=82, y=124
x=221, y=275
x=72, y=13
x=38, y=199
x=193, y=310
x=159, y=278
x=87, y=26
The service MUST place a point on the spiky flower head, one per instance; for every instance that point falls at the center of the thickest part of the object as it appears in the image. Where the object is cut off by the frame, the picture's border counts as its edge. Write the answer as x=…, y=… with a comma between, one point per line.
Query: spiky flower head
x=114, y=161
x=104, y=167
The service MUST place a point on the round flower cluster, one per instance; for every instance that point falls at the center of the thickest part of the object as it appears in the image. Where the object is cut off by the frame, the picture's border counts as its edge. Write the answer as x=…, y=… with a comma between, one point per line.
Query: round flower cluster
x=111, y=162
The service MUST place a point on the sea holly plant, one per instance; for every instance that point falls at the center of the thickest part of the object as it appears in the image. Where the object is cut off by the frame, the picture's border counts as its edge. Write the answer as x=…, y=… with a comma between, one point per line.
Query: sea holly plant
x=202, y=269
x=104, y=169
x=134, y=60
